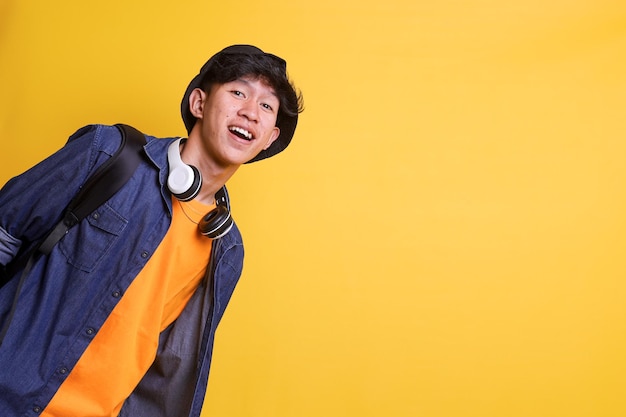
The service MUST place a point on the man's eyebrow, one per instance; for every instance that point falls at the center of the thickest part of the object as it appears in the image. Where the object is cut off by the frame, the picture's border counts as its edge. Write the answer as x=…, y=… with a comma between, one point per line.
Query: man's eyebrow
x=247, y=82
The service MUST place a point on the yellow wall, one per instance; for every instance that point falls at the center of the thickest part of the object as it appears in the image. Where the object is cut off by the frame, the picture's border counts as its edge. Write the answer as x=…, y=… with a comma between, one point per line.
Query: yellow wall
x=446, y=235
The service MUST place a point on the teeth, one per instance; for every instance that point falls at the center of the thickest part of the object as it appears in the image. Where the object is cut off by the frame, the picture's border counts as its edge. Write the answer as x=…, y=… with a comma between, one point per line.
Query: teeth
x=241, y=131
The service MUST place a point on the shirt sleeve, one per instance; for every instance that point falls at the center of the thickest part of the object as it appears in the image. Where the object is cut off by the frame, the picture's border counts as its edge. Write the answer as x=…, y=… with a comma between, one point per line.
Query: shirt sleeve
x=9, y=246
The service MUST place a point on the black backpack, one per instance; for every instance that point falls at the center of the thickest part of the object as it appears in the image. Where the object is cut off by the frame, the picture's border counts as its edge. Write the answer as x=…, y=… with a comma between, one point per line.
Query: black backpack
x=101, y=186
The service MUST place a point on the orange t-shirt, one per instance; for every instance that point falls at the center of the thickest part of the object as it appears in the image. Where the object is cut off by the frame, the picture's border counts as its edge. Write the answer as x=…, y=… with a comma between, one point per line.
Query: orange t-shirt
x=125, y=347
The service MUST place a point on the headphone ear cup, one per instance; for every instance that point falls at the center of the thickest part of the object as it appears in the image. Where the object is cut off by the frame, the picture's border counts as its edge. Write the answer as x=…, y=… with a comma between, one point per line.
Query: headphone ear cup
x=216, y=223
x=184, y=181
x=194, y=189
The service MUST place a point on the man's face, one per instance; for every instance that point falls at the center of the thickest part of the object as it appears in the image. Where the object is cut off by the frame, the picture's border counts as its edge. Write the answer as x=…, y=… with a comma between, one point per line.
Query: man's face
x=238, y=120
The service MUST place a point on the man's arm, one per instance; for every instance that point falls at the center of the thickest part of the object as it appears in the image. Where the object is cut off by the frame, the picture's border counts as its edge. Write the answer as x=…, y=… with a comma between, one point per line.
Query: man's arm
x=33, y=202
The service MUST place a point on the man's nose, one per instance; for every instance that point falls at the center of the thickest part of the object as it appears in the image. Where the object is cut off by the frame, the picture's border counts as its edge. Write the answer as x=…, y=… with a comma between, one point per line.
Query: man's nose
x=249, y=110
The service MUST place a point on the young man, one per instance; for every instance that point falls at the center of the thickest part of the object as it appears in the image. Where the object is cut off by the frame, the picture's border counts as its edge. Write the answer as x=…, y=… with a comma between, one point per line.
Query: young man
x=120, y=317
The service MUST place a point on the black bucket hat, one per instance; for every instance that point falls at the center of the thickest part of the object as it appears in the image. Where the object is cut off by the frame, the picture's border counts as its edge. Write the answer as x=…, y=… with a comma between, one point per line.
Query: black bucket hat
x=286, y=124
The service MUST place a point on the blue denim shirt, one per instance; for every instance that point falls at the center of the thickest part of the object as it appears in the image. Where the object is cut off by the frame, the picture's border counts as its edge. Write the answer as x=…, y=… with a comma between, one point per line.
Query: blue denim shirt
x=70, y=293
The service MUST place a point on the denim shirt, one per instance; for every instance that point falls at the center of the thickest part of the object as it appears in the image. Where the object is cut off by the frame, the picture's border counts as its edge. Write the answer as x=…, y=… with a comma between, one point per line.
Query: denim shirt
x=70, y=293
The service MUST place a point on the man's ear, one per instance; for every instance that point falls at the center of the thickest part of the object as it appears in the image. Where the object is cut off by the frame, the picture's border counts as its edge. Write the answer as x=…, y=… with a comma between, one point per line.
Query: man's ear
x=273, y=137
x=196, y=102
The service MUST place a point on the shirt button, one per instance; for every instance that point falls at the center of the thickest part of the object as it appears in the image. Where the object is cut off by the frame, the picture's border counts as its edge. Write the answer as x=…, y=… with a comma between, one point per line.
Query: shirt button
x=63, y=371
x=37, y=409
x=96, y=216
x=116, y=294
x=144, y=254
x=90, y=331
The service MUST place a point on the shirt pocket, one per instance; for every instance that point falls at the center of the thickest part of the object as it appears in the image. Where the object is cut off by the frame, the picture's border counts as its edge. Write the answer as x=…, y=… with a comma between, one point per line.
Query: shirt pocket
x=88, y=242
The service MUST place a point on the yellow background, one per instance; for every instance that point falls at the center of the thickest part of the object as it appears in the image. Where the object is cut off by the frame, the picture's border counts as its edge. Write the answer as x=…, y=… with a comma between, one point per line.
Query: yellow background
x=446, y=234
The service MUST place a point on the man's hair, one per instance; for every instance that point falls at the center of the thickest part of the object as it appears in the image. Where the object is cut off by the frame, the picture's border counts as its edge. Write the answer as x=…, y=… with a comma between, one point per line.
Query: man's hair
x=270, y=68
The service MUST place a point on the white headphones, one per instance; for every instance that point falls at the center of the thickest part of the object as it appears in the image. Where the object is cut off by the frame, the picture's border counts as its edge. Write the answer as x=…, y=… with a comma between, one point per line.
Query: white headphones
x=184, y=181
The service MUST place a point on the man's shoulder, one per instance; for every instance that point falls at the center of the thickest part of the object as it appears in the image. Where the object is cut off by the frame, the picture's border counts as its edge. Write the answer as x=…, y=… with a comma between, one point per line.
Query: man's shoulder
x=233, y=237
x=230, y=246
x=100, y=137
x=108, y=138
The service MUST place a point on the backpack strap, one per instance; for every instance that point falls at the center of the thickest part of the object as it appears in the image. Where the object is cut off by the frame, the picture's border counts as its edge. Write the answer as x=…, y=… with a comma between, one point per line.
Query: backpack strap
x=101, y=186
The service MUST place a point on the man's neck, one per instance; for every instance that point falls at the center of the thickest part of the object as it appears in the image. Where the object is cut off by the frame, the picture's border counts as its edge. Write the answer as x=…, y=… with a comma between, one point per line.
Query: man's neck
x=214, y=176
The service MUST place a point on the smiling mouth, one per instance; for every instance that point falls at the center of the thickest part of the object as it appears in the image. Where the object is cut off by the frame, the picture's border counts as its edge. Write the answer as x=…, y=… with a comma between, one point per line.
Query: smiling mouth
x=241, y=132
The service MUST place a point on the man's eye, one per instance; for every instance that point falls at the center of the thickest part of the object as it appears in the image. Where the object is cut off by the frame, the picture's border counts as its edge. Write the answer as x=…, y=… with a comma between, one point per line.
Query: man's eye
x=237, y=93
x=267, y=106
